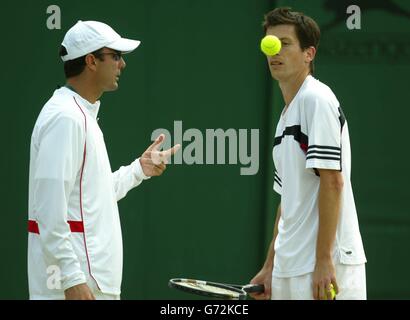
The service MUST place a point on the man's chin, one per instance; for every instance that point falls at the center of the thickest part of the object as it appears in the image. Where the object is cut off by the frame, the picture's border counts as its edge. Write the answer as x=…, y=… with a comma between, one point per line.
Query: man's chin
x=278, y=76
x=114, y=87
x=275, y=76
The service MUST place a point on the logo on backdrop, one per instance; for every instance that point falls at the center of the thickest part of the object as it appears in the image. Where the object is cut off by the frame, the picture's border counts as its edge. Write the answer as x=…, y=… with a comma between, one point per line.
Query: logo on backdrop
x=369, y=47
x=340, y=8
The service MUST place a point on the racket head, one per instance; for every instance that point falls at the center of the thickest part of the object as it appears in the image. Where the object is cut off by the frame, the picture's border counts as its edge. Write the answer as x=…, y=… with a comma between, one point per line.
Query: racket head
x=208, y=289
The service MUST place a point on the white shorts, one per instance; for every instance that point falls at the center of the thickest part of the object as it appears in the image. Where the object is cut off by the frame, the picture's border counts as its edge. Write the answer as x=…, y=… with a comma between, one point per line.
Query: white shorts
x=351, y=280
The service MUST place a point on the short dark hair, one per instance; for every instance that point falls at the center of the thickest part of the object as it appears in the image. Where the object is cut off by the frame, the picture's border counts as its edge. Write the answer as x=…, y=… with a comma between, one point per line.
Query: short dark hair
x=307, y=30
x=74, y=67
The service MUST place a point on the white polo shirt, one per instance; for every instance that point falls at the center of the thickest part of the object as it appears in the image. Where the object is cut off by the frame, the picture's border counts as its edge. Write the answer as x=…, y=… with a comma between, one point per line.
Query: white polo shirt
x=74, y=226
x=312, y=134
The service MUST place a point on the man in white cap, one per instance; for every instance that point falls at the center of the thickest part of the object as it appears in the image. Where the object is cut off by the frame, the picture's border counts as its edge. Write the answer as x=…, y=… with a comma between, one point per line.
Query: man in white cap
x=75, y=242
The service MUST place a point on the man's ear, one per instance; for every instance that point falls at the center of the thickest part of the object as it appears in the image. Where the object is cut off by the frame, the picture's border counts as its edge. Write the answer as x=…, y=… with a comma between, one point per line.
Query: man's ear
x=310, y=54
x=90, y=61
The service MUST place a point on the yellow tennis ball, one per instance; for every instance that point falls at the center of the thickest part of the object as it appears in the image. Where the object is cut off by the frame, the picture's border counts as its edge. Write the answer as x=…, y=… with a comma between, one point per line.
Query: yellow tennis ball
x=332, y=292
x=270, y=45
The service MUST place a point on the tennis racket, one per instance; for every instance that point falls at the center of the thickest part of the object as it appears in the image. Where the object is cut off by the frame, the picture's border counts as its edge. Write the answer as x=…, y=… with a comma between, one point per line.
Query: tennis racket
x=215, y=289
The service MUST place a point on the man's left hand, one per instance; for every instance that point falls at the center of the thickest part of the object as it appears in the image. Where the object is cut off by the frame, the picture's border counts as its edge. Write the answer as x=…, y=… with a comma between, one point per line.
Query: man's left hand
x=323, y=276
x=153, y=162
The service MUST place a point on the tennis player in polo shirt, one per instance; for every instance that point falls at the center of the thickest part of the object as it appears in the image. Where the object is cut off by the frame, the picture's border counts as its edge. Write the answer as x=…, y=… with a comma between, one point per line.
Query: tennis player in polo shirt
x=316, y=242
x=75, y=242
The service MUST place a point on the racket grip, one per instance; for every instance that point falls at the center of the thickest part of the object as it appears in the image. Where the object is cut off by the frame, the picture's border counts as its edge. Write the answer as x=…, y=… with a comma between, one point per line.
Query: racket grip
x=254, y=288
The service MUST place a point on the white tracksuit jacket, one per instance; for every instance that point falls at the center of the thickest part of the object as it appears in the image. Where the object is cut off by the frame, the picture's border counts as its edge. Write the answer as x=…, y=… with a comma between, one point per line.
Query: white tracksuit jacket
x=74, y=227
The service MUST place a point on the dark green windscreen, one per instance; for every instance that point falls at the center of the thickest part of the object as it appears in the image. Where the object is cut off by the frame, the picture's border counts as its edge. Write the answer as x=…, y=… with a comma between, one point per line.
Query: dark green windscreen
x=199, y=66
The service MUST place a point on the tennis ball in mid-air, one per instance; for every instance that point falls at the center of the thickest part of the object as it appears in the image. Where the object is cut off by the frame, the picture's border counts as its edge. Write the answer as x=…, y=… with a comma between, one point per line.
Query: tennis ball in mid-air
x=270, y=45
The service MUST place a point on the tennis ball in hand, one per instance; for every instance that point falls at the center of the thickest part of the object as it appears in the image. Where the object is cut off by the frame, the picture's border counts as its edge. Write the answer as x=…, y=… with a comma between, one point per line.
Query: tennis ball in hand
x=332, y=292
x=270, y=45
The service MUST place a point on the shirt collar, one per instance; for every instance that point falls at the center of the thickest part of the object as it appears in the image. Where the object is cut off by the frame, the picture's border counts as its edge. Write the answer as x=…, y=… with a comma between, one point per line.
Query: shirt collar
x=91, y=108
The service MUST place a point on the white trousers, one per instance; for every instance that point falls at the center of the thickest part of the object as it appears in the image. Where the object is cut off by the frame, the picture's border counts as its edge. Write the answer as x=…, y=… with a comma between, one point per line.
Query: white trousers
x=351, y=280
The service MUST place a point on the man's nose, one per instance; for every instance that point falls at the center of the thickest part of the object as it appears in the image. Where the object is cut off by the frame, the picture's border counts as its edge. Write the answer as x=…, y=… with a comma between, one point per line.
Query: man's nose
x=122, y=63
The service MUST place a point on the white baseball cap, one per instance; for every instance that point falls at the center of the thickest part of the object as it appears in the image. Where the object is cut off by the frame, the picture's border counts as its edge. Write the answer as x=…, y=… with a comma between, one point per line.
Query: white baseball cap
x=88, y=36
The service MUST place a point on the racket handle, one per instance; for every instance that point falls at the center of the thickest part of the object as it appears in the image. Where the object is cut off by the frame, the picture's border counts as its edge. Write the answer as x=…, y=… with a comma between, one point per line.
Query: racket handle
x=254, y=288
